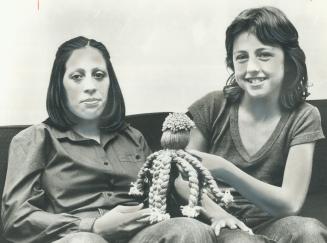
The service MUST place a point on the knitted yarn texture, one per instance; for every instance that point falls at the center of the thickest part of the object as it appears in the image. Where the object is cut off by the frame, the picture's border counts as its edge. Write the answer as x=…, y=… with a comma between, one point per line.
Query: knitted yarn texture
x=156, y=171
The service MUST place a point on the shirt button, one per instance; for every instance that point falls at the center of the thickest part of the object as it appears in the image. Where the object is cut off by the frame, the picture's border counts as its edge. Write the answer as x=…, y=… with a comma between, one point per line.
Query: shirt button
x=105, y=163
x=137, y=156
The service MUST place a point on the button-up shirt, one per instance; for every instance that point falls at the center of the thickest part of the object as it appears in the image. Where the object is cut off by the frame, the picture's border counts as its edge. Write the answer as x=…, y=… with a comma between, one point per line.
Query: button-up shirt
x=59, y=182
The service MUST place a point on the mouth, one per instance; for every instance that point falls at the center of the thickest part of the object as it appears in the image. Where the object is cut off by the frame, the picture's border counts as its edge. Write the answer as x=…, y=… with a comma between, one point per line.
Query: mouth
x=90, y=100
x=256, y=80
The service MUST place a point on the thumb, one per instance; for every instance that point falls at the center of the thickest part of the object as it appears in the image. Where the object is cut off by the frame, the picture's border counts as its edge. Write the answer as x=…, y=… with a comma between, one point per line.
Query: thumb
x=195, y=153
x=130, y=209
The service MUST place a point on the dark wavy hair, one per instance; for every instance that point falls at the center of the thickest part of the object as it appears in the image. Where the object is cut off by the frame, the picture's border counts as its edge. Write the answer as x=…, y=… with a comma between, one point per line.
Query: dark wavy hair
x=60, y=116
x=271, y=27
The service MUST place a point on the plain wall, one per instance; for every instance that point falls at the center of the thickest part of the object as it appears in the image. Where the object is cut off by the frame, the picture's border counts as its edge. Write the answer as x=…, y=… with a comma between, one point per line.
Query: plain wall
x=166, y=54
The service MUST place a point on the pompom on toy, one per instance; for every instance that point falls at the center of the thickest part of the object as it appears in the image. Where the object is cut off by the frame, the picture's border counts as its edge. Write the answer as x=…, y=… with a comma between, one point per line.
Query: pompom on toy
x=155, y=175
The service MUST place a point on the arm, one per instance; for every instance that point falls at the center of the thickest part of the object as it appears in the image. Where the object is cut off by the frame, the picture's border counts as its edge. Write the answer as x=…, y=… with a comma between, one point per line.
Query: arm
x=285, y=200
x=24, y=199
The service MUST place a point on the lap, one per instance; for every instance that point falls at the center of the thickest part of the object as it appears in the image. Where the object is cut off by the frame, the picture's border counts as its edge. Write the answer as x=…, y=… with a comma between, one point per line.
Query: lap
x=291, y=228
x=82, y=237
x=236, y=235
x=288, y=229
x=176, y=230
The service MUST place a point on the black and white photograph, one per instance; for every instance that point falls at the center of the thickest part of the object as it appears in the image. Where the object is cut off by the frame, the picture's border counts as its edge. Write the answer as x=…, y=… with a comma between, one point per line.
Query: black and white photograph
x=173, y=121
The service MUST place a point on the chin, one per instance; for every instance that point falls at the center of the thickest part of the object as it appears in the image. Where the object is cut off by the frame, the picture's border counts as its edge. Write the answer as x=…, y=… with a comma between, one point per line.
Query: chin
x=257, y=94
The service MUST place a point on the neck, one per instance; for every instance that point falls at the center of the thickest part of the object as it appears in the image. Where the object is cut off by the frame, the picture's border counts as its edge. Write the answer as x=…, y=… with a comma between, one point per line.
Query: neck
x=88, y=129
x=261, y=108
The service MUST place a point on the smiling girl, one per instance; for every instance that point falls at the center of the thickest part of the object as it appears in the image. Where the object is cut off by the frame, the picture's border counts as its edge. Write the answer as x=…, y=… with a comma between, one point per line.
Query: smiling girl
x=257, y=137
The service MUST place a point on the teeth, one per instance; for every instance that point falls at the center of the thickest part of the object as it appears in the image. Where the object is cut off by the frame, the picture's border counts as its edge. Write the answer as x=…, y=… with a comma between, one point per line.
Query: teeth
x=255, y=80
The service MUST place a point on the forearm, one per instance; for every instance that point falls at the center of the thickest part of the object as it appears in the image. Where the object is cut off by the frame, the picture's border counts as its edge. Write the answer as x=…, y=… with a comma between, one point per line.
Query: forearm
x=273, y=199
x=23, y=201
x=41, y=226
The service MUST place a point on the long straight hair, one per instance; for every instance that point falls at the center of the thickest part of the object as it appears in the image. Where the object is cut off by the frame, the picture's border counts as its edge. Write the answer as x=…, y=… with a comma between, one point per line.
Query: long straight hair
x=113, y=116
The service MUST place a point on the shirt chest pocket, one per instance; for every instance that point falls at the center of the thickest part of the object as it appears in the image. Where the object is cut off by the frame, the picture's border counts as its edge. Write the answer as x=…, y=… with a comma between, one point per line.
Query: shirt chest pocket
x=132, y=162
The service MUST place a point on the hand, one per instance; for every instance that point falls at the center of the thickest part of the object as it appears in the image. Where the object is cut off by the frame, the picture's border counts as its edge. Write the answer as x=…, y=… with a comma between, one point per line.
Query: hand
x=216, y=164
x=221, y=219
x=122, y=221
x=228, y=221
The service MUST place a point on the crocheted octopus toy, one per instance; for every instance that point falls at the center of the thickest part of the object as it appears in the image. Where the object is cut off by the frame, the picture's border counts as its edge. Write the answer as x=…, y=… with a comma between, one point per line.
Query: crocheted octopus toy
x=154, y=177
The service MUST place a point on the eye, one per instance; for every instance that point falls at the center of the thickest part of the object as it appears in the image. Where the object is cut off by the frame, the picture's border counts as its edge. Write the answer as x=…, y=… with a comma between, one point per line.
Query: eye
x=241, y=58
x=99, y=75
x=76, y=76
x=265, y=56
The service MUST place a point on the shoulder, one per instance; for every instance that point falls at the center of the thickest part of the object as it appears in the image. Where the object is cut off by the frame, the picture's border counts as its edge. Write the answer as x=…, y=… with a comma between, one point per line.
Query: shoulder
x=306, y=111
x=30, y=139
x=31, y=133
x=211, y=102
x=213, y=97
x=132, y=133
x=305, y=124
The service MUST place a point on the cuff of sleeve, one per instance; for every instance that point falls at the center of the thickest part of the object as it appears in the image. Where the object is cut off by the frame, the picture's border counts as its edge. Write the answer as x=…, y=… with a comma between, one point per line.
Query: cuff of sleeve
x=86, y=224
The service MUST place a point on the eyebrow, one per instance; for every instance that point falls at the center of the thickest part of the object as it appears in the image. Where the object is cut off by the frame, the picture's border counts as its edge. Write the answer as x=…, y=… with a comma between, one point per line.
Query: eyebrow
x=99, y=69
x=80, y=70
x=257, y=50
x=265, y=49
x=238, y=52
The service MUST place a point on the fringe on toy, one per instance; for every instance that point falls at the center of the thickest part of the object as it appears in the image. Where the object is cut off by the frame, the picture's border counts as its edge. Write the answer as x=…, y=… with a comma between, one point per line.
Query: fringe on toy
x=156, y=216
x=227, y=199
x=190, y=212
x=134, y=190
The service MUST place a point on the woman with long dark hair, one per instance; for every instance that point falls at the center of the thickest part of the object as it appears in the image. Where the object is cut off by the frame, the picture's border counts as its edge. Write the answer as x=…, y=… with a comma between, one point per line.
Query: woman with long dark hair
x=68, y=178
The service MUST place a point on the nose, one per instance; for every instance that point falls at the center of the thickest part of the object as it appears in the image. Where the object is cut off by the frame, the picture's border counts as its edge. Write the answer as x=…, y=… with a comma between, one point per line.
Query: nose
x=89, y=86
x=253, y=67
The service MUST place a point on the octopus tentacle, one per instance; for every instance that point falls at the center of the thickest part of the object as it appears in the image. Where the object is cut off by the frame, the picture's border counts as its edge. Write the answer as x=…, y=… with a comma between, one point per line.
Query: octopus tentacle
x=191, y=210
x=137, y=188
x=209, y=182
x=159, y=187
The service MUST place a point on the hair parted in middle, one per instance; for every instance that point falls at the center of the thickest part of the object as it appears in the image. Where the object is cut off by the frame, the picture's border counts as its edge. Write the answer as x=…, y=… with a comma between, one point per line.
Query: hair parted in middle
x=271, y=26
x=113, y=116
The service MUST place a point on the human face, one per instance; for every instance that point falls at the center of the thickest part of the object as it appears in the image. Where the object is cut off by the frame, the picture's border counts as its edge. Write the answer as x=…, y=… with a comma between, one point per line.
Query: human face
x=259, y=68
x=86, y=83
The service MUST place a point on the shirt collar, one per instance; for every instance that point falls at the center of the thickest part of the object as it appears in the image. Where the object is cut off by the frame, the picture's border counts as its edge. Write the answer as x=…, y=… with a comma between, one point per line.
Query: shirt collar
x=74, y=136
x=106, y=137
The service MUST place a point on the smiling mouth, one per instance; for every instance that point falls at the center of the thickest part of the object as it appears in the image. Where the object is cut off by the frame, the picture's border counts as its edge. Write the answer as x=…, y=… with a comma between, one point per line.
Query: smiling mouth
x=255, y=80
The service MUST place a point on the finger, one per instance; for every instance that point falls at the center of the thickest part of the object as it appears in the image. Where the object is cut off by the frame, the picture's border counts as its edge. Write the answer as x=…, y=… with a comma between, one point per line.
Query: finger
x=144, y=211
x=217, y=226
x=141, y=214
x=231, y=226
x=195, y=153
x=243, y=227
x=144, y=220
x=217, y=229
x=130, y=209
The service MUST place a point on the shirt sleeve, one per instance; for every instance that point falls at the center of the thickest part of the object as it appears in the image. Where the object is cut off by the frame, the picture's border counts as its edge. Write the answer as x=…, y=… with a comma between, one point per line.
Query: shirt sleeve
x=22, y=215
x=205, y=110
x=307, y=127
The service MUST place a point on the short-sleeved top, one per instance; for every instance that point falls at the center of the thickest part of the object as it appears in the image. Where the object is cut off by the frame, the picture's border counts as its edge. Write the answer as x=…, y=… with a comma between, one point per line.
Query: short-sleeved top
x=217, y=119
x=59, y=182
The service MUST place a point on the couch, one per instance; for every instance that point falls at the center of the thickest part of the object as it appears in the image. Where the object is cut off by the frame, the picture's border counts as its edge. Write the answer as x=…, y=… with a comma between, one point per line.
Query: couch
x=150, y=125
